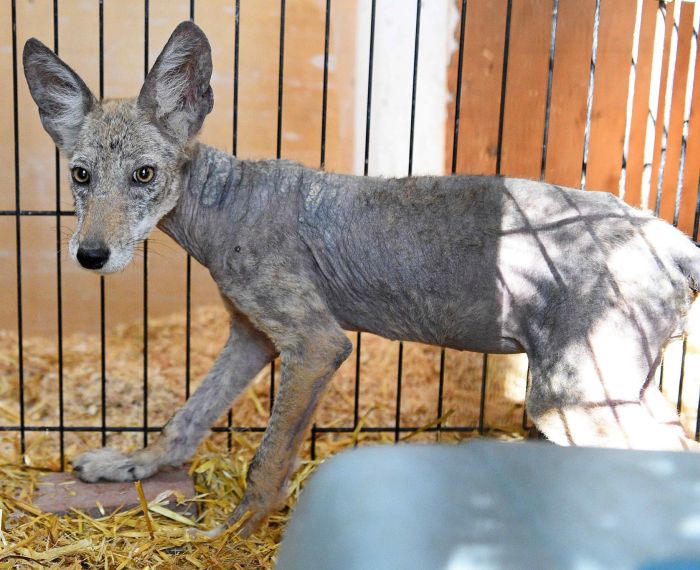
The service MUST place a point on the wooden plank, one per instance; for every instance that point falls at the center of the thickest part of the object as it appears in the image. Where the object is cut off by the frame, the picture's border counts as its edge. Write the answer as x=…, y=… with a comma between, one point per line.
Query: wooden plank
x=258, y=75
x=123, y=42
x=670, y=174
x=303, y=95
x=526, y=88
x=60, y=492
x=340, y=128
x=36, y=157
x=691, y=172
x=640, y=104
x=7, y=149
x=481, y=86
x=609, y=111
x=569, y=92
x=217, y=20
x=659, y=131
x=452, y=76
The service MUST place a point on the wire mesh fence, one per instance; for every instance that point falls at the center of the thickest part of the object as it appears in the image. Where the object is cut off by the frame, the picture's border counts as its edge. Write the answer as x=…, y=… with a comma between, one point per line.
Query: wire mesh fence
x=654, y=128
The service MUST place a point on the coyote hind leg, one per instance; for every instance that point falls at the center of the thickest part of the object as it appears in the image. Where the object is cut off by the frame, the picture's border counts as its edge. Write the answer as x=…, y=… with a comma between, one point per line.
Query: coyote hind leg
x=594, y=390
x=665, y=414
x=622, y=424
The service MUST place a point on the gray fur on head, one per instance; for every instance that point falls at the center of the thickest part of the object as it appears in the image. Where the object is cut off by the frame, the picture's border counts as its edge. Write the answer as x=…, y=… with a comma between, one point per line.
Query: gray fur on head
x=62, y=97
x=177, y=94
x=111, y=140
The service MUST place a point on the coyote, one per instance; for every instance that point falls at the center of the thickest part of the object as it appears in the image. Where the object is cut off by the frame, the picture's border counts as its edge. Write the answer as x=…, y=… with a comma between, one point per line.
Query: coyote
x=590, y=288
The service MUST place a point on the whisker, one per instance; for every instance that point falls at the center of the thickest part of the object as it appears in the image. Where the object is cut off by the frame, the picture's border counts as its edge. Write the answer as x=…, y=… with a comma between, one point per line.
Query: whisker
x=152, y=253
x=160, y=244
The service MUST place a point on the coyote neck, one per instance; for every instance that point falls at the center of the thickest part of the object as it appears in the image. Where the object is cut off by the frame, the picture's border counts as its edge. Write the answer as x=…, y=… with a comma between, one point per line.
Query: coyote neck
x=207, y=184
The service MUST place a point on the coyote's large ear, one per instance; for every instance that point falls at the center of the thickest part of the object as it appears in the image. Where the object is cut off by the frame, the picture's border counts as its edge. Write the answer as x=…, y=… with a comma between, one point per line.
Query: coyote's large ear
x=62, y=97
x=176, y=92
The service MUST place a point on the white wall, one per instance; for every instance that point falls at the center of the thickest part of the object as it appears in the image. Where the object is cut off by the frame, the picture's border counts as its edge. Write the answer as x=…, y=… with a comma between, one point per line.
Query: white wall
x=392, y=82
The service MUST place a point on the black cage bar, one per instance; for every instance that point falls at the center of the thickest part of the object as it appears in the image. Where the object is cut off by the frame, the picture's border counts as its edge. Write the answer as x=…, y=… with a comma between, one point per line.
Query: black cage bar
x=397, y=429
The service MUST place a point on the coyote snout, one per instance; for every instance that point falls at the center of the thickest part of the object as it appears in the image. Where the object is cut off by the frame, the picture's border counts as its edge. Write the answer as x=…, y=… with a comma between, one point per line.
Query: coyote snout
x=92, y=255
x=104, y=240
x=106, y=235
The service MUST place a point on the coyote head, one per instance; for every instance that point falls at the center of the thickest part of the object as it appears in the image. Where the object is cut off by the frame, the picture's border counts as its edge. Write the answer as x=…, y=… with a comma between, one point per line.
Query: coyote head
x=127, y=157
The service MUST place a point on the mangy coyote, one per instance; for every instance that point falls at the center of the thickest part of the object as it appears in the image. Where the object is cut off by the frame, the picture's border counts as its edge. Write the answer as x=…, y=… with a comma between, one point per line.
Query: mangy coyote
x=589, y=288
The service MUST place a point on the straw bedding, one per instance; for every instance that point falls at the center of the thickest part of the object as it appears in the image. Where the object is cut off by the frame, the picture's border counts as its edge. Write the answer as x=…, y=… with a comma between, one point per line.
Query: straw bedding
x=30, y=538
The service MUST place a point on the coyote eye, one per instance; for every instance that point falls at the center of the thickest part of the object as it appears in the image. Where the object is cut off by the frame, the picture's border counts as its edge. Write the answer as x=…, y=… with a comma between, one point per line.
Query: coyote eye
x=80, y=175
x=144, y=174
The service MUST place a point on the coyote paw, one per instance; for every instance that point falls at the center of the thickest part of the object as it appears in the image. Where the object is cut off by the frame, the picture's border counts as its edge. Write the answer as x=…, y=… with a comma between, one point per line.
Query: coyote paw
x=251, y=512
x=108, y=464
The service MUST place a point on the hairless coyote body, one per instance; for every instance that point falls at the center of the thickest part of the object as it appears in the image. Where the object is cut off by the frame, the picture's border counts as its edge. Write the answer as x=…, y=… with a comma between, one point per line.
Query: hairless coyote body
x=589, y=288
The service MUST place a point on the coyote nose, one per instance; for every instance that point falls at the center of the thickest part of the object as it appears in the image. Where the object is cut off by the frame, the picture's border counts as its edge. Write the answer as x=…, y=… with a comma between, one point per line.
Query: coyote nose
x=92, y=255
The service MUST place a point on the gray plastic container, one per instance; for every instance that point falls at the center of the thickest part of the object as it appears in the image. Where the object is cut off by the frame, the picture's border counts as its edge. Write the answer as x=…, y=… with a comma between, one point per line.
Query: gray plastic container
x=489, y=504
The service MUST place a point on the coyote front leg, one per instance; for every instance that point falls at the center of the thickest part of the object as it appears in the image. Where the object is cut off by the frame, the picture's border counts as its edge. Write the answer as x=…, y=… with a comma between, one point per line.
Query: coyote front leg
x=245, y=353
x=312, y=346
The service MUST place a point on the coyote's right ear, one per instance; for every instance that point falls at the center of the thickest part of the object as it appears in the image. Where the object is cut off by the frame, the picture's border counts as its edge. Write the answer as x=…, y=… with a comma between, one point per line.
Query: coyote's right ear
x=62, y=97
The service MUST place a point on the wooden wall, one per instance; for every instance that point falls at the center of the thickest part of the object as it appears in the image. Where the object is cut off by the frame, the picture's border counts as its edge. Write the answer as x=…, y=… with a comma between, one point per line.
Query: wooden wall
x=556, y=154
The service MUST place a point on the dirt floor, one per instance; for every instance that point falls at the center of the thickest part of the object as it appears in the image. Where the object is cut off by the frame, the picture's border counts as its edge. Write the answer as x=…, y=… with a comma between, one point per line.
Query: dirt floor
x=29, y=538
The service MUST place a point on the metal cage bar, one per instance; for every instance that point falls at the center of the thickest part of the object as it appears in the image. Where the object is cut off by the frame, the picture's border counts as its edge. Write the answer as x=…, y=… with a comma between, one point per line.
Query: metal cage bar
x=146, y=14
x=322, y=160
x=397, y=430
x=389, y=429
x=59, y=277
x=453, y=170
x=103, y=338
x=368, y=124
x=18, y=235
x=414, y=85
x=278, y=154
x=234, y=147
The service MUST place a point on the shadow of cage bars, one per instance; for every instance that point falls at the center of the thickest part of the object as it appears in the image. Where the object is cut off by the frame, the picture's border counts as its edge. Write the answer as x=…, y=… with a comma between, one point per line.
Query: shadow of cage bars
x=658, y=167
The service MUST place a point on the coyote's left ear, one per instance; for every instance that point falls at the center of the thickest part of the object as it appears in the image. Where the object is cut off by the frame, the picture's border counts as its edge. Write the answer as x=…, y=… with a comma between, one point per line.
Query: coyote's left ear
x=176, y=92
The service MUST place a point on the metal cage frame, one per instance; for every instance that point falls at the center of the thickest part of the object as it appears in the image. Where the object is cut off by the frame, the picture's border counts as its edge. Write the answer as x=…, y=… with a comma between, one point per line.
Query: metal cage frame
x=397, y=429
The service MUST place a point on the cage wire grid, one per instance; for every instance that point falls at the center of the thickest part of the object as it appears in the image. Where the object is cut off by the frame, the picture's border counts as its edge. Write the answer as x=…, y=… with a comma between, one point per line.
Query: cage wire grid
x=396, y=429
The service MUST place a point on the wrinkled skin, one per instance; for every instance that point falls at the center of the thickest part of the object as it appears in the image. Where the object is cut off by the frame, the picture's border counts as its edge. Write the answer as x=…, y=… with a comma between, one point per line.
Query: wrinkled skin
x=589, y=288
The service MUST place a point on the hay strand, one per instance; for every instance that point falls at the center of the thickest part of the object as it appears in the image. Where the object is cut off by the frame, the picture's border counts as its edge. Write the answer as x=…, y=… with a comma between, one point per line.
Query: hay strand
x=144, y=507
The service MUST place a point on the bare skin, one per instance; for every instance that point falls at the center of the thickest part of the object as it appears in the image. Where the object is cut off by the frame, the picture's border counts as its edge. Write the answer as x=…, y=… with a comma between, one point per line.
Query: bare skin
x=591, y=289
